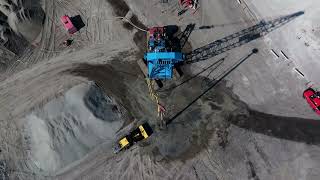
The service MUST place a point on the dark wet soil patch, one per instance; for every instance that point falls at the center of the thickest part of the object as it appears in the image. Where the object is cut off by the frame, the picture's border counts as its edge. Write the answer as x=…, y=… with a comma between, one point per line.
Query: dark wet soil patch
x=111, y=80
x=252, y=171
x=190, y=132
x=217, y=99
x=4, y=170
x=122, y=81
x=214, y=107
x=222, y=132
x=99, y=104
x=135, y=20
x=101, y=74
x=120, y=7
x=127, y=26
x=16, y=44
x=140, y=39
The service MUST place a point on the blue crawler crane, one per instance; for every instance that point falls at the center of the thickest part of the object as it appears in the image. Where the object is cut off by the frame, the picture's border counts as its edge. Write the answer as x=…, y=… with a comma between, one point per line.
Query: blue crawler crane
x=160, y=58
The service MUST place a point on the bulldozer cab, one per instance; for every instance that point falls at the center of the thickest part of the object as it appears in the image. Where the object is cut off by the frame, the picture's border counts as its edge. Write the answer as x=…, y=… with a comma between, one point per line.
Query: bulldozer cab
x=142, y=132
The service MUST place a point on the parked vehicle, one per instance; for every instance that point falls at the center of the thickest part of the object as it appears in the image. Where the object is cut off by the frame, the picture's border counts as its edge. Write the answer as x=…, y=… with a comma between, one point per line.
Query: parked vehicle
x=68, y=25
x=313, y=99
x=142, y=132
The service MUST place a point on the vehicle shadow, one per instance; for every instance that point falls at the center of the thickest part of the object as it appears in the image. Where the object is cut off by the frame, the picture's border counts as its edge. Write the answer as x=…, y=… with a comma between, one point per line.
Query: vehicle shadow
x=289, y=128
x=239, y=38
x=77, y=22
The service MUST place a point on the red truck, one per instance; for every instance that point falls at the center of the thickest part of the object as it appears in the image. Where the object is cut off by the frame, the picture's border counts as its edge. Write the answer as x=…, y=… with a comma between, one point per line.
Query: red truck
x=68, y=25
x=313, y=99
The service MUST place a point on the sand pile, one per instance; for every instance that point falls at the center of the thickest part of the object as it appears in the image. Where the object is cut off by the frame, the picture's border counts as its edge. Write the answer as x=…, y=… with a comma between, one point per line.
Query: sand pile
x=66, y=128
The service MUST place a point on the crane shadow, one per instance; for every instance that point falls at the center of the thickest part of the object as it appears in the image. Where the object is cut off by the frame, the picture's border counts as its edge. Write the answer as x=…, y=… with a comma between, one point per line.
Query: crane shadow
x=178, y=39
x=289, y=128
x=213, y=66
x=207, y=27
x=183, y=38
x=213, y=84
x=239, y=38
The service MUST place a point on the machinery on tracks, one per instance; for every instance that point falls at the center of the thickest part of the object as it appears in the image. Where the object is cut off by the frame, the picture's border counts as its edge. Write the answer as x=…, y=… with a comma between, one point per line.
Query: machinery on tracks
x=142, y=132
x=161, y=57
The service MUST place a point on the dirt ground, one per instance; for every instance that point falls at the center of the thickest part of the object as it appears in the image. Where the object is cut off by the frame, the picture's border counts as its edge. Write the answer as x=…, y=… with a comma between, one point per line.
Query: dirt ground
x=57, y=121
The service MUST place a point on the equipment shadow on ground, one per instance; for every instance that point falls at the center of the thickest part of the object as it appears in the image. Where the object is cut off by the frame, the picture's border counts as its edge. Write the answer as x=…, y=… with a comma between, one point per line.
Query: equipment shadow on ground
x=211, y=84
x=239, y=38
x=78, y=22
x=289, y=128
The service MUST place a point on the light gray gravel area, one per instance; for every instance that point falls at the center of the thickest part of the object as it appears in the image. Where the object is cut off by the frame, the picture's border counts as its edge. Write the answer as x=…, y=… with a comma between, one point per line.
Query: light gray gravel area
x=296, y=46
x=66, y=128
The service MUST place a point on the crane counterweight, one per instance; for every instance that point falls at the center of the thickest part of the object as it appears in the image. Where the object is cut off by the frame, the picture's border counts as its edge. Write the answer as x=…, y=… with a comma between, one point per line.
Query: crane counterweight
x=160, y=57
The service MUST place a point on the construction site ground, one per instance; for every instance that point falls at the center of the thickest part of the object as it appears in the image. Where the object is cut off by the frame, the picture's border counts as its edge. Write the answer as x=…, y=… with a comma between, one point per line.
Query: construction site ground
x=237, y=112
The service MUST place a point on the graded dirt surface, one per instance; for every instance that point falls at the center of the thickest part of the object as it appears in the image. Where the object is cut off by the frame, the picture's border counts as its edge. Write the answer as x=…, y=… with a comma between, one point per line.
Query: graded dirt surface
x=236, y=113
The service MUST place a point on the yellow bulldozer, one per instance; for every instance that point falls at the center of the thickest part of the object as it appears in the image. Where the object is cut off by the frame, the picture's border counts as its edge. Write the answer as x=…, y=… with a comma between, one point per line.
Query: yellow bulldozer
x=142, y=132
